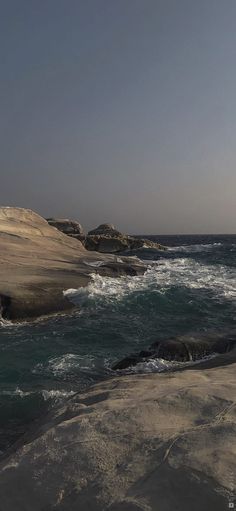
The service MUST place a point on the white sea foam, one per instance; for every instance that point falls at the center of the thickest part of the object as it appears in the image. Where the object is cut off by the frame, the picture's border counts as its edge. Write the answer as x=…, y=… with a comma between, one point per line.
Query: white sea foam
x=56, y=394
x=46, y=394
x=67, y=363
x=5, y=322
x=201, y=247
x=160, y=277
x=159, y=365
x=17, y=392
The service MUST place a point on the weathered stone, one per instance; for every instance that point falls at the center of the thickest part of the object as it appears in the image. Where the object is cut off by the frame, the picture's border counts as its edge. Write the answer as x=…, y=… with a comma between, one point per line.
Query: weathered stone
x=69, y=227
x=105, y=230
x=133, y=443
x=39, y=262
x=107, y=239
x=106, y=244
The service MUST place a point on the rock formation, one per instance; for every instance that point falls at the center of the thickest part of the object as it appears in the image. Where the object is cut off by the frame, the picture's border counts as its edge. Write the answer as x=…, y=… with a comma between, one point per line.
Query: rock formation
x=105, y=238
x=70, y=227
x=180, y=349
x=105, y=230
x=38, y=262
x=133, y=443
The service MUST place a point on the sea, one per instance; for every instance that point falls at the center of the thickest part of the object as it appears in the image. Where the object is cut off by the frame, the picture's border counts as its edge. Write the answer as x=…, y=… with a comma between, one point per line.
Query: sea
x=188, y=289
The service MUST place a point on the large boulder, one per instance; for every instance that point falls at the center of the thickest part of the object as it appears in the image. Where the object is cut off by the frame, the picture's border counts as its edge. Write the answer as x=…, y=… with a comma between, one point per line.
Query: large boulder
x=69, y=227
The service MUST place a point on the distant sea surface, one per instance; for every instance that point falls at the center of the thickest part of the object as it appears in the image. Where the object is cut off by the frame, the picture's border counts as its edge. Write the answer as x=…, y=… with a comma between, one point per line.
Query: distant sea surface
x=191, y=288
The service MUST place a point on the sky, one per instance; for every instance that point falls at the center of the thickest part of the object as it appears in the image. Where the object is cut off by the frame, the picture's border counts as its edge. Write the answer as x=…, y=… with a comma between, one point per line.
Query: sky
x=120, y=111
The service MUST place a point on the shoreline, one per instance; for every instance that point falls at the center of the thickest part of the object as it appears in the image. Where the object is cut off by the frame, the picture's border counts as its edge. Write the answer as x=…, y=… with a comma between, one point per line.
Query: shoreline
x=158, y=435
x=38, y=262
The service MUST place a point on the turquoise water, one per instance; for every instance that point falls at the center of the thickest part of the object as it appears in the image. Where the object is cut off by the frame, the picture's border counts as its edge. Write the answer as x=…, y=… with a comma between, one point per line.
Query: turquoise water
x=189, y=288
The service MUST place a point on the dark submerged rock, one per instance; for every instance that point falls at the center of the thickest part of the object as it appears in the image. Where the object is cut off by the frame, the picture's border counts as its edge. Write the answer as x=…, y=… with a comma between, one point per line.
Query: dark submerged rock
x=179, y=350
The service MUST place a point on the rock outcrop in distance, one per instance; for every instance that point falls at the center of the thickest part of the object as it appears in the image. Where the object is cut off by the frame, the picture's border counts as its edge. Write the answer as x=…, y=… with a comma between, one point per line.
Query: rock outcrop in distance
x=39, y=262
x=143, y=442
x=70, y=227
x=105, y=238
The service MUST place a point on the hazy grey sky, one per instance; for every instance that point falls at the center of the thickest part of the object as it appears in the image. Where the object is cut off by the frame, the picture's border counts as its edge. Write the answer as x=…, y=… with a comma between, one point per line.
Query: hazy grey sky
x=120, y=111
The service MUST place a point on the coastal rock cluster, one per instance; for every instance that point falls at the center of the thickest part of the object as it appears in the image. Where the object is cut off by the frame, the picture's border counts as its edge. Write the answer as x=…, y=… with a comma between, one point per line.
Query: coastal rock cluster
x=105, y=238
x=135, y=442
x=39, y=262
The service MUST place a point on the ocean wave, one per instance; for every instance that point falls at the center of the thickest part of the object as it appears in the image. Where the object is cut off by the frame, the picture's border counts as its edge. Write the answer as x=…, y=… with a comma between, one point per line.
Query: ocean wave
x=160, y=277
x=17, y=392
x=159, y=365
x=5, y=322
x=67, y=363
x=202, y=247
x=57, y=395
x=47, y=394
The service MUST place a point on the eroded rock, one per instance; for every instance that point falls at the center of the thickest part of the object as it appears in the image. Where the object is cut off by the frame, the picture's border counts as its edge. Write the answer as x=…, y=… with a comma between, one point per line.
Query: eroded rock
x=107, y=239
x=69, y=227
x=39, y=262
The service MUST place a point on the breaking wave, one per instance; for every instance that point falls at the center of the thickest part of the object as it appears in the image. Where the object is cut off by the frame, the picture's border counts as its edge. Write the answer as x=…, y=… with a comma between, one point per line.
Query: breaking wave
x=190, y=289
x=160, y=277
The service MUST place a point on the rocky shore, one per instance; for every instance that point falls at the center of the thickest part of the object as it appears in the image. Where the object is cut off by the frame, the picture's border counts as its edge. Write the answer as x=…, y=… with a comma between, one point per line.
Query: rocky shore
x=132, y=443
x=105, y=238
x=135, y=442
x=38, y=262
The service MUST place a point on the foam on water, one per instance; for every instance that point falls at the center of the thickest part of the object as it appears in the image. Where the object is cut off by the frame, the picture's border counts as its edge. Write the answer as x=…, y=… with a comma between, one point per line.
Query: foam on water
x=187, y=290
x=57, y=395
x=201, y=247
x=17, y=392
x=159, y=365
x=54, y=394
x=160, y=276
x=67, y=363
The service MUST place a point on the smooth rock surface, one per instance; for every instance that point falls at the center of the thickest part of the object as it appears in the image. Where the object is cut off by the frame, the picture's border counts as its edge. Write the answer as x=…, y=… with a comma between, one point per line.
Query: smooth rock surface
x=143, y=442
x=38, y=262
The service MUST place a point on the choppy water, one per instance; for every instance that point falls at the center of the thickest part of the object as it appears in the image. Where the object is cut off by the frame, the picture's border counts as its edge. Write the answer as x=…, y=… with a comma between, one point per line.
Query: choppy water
x=189, y=288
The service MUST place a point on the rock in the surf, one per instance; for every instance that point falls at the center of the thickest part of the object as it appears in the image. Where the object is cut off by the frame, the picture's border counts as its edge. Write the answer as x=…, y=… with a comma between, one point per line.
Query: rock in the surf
x=183, y=349
x=39, y=262
x=105, y=230
x=107, y=239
